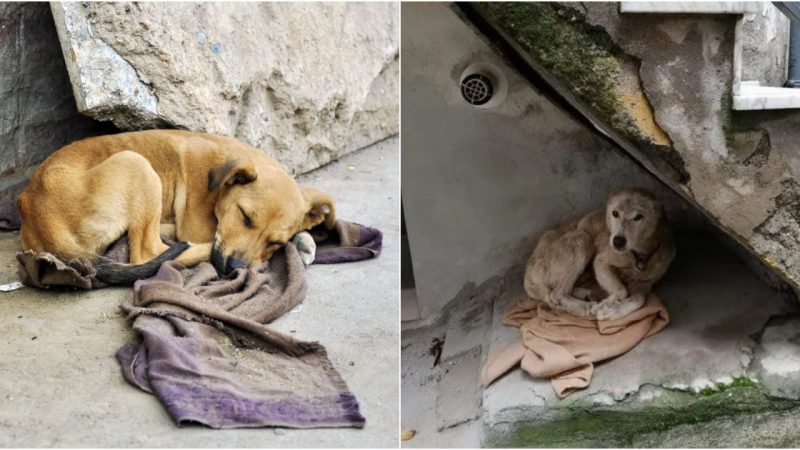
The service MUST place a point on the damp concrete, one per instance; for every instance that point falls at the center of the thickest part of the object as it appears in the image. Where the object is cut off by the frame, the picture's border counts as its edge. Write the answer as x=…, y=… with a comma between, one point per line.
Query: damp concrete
x=731, y=339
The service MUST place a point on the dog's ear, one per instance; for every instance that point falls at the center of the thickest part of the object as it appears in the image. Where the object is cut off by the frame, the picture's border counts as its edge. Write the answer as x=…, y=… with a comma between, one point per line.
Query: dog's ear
x=236, y=171
x=320, y=209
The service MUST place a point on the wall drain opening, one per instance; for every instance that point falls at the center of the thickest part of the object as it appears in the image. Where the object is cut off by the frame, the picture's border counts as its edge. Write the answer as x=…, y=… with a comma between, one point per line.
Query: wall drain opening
x=483, y=85
x=477, y=89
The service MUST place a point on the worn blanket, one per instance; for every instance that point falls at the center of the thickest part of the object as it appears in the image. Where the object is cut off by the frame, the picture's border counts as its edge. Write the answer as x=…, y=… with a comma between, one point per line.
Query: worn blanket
x=564, y=348
x=204, y=350
x=206, y=355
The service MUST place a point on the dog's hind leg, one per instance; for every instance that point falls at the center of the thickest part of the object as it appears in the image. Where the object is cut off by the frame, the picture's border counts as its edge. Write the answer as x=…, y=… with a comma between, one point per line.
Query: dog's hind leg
x=168, y=231
x=126, y=195
x=568, y=259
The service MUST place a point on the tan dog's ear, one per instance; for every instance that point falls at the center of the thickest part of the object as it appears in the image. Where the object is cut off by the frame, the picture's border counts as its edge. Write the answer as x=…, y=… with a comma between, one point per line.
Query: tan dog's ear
x=320, y=209
x=237, y=171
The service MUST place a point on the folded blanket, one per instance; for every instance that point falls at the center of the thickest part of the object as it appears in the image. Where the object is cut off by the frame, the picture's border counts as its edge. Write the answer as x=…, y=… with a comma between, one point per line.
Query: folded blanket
x=564, y=348
x=206, y=355
x=204, y=350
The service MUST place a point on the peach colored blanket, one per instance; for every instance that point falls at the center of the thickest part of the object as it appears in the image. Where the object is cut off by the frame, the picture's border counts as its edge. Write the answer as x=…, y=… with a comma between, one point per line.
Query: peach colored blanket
x=564, y=348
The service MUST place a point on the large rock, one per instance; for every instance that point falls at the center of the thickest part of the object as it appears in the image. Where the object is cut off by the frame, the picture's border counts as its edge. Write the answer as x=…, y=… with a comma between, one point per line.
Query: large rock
x=305, y=82
x=37, y=111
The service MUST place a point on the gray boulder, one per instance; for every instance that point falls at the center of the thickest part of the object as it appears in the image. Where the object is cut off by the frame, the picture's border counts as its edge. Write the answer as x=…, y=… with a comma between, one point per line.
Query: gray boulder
x=305, y=82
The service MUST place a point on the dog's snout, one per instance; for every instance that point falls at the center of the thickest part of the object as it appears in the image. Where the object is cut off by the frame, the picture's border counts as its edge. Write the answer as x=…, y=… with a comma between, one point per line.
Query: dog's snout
x=619, y=242
x=233, y=263
x=217, y=259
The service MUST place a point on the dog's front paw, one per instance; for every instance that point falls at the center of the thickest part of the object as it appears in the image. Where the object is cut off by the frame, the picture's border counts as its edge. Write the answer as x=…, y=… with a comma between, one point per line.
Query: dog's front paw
x=607, y=310
x=305, y=246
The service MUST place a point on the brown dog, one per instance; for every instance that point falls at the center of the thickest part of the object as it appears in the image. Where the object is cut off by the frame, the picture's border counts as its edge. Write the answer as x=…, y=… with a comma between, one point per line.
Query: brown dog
x=615, y=255
x=238, y=204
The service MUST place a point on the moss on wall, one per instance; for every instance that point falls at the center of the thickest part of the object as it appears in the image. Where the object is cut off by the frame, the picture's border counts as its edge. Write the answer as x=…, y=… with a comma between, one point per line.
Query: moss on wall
x=586, y=60
x=545, y=31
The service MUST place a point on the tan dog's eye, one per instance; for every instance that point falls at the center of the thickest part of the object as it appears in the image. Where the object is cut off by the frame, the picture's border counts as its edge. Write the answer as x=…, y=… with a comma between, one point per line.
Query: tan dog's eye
x=638, y=217
x=247, y=222
x=614, y=213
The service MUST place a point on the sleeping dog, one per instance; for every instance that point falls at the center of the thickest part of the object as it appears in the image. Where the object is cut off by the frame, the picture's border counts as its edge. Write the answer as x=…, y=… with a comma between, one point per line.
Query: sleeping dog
x=237, y=204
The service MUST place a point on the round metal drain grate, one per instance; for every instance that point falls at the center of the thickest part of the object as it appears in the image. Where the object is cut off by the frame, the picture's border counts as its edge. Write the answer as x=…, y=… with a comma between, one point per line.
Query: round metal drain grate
x=477, y=89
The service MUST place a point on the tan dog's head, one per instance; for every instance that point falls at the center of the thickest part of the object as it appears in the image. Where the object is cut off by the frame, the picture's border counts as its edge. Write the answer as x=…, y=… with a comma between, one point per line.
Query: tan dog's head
x=258, y=211
x=633, y=215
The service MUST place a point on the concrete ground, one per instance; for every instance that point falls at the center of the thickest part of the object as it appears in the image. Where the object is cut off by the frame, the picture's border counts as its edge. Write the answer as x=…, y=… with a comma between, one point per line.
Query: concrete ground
x=60, y=384
x=725, y=372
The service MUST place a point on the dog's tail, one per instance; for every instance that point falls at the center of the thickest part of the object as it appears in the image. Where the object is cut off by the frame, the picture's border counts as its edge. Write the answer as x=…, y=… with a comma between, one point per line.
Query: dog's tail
x=112, y=272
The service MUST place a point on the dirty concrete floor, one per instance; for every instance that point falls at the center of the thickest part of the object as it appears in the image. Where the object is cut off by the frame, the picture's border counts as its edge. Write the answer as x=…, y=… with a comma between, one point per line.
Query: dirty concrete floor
x=60, y=384
x=724, y=324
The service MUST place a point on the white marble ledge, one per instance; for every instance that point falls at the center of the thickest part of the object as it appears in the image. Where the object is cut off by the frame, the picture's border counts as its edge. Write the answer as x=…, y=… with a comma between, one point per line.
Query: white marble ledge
x=754, y=97
x=692, y=7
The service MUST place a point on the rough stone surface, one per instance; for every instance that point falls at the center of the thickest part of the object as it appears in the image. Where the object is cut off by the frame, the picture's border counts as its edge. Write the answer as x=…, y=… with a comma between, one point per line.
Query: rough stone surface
x=470, y=319
x=37, y=110
x=740, y=168
x=765, y=42
x=764, y=430
x=459, y=399
x=304, y=82
x=703, y=421
x=420, y=395
x=777, y=361
x=60, y=384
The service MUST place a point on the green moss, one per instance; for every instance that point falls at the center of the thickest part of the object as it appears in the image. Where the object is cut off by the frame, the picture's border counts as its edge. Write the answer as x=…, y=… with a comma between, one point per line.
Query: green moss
x=552, y=35
x=583, y=58
x=722, y=387
x=617, y=428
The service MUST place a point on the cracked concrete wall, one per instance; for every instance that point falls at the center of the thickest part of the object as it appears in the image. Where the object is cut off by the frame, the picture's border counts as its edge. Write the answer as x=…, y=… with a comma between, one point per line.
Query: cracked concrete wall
x=37, y=109
x=740, y=168
x=304, y=82
x=479, y=184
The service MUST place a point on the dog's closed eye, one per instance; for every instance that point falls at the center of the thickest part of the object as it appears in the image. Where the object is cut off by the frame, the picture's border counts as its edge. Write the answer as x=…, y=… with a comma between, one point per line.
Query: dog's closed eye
x=247, y=222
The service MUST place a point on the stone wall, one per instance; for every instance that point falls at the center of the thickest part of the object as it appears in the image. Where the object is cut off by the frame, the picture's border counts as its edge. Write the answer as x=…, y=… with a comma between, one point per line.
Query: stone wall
x=661, y=83
x=305, y=82
x=37, y=109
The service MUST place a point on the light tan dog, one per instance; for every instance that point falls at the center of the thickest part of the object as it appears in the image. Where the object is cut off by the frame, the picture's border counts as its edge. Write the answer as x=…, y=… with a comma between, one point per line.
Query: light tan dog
x=614, y=255
x=235, y=202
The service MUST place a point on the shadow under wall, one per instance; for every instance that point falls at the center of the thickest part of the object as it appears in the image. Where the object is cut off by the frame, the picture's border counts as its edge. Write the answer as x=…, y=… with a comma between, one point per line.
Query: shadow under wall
x=38, y=114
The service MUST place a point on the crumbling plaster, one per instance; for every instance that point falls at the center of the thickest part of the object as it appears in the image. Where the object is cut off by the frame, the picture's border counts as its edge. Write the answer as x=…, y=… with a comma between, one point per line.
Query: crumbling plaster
x=740, y=167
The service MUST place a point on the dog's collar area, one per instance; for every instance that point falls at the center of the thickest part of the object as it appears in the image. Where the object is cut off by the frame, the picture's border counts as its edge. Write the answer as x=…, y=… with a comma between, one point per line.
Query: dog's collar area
x=643, y=258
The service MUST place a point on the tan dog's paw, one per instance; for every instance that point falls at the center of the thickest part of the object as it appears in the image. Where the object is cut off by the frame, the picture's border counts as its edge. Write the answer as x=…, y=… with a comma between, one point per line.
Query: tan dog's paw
x=305, y=246
x=614, y=307
x=607, y=309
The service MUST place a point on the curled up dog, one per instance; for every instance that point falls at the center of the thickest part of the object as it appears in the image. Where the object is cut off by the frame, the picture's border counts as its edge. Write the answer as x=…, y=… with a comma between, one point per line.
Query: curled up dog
x=237, y=205
x=604, y=264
